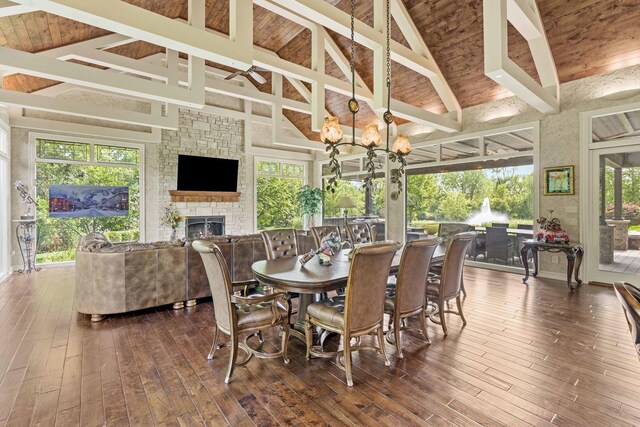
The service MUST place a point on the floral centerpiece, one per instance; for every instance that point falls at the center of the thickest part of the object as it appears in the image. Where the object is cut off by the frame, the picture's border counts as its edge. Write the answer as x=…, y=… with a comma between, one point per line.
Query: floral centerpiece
x=172, y=217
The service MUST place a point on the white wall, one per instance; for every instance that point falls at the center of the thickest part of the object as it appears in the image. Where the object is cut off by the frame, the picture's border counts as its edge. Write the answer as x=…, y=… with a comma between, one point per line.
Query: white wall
x=5, y=197
x=559, y=137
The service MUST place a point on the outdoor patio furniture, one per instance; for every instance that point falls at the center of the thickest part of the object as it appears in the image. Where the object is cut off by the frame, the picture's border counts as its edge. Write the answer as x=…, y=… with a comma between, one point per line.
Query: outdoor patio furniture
x=500, y=224
x=499, y=245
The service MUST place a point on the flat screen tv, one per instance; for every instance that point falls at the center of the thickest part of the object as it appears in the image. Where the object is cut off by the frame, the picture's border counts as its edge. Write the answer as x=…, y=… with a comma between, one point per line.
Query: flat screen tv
x=77, y=201
x=197, y=173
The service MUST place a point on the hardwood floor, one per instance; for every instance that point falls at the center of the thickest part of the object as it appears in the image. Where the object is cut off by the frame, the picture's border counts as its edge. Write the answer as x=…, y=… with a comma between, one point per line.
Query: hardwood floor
x=529, y=355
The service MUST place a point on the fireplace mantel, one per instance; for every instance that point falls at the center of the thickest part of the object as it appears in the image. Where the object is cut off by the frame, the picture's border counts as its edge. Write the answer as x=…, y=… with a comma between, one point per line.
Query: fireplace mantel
x=204, y=196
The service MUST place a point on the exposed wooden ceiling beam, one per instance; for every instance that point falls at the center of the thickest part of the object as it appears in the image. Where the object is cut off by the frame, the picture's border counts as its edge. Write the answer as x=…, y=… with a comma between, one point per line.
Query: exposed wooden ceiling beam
x=524, y=15
x=142, y=24
x=9, y=8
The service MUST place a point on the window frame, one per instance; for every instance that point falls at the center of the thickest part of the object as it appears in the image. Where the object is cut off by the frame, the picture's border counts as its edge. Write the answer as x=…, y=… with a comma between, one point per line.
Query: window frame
x=256, y=175
x=34, y=137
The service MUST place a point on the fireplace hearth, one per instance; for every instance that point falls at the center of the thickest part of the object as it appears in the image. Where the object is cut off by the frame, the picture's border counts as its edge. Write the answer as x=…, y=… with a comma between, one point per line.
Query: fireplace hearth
x=204, y=226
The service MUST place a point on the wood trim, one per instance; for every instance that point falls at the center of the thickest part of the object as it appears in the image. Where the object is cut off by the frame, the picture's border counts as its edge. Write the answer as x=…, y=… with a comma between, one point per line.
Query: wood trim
x=204, y=196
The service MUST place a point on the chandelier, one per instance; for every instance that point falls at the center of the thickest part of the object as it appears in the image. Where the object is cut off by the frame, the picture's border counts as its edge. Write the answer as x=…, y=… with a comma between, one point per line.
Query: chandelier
x=332, y=134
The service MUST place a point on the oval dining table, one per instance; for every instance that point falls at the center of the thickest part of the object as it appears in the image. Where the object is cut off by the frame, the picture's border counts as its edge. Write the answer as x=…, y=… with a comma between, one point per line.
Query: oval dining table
x=313, y=279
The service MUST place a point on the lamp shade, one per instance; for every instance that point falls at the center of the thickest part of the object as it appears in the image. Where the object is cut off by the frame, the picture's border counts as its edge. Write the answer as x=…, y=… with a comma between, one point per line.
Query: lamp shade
x=401, y=145
x=331, y=131
x=345, y=202
x=371, y=136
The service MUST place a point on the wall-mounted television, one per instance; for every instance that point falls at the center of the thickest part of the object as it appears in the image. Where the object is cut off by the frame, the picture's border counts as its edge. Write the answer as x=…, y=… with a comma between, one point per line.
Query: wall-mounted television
x=197, y=173
x=77, y=201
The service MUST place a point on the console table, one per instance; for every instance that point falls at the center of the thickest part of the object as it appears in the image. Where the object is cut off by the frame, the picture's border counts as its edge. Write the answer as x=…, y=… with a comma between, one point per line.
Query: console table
x=573, y=251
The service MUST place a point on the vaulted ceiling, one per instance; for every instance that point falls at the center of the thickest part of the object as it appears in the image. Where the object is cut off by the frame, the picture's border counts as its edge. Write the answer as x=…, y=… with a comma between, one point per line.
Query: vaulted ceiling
x=587, y=37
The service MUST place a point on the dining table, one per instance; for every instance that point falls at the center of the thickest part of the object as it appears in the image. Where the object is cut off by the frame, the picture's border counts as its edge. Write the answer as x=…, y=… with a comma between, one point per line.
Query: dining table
x=312, y=280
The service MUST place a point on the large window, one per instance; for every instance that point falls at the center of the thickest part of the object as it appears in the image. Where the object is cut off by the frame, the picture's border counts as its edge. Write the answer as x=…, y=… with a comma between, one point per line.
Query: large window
x=277, y=186
x=485, y=182
x=84, y=163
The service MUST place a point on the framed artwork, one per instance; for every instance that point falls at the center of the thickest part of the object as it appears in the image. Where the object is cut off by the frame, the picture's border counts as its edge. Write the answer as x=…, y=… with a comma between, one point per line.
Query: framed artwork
x=558, y=181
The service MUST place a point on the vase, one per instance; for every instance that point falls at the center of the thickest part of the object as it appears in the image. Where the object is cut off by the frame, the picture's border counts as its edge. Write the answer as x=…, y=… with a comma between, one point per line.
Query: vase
x=174, y=234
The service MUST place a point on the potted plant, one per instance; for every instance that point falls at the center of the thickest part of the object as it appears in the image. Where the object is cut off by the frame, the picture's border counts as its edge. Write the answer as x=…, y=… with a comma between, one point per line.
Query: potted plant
x=310, y=202
x=172, y=217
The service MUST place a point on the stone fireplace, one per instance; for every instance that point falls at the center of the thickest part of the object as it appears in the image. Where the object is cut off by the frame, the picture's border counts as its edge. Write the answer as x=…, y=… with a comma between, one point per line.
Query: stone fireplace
x=203, y=226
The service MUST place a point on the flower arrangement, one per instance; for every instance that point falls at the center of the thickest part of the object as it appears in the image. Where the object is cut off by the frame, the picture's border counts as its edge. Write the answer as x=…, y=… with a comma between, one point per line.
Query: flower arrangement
x=171, y=217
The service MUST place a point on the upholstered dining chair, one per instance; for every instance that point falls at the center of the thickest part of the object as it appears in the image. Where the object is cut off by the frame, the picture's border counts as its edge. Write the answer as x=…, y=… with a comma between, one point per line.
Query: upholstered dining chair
x=449, y=285
x=362, y=310
x=629, y=297
x=403, y=298
x=359, y=233
x=322, y=231
x=238, y=316
x=280, y=243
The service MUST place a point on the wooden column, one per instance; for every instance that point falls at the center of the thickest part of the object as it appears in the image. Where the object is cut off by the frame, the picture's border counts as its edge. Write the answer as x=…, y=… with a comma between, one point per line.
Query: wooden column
x=617, y=189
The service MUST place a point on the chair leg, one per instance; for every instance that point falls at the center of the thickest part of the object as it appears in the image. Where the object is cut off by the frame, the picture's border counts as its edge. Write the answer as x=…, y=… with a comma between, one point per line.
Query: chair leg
x=396, y=334
x=423, y=325
x=285, y=343
x=347, y=359
x=214, y=347
x=232, y=357
x=442, y=321
x=464, y=291
x=308, y=335
x=381, y=344
x=459, y=303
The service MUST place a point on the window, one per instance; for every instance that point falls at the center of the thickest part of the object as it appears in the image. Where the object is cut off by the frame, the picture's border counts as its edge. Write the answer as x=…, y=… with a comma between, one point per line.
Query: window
x=277, y=186
x=84, y=163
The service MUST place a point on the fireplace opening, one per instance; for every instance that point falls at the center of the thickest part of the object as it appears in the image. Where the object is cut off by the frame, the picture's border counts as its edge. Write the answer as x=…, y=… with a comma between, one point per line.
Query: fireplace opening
x=204, y=226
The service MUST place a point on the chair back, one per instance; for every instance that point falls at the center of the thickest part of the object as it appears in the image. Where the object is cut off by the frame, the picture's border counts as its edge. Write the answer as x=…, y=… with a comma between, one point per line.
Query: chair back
x=366, y=286
x=629, y=297
x=281, y=243
x=359, y=233
x=497, y=243
x=412, y=275
x=453, y=266
x=525, y=226
x=324, y=230
x=219, y=282
x=500, y=224
x=448, y=230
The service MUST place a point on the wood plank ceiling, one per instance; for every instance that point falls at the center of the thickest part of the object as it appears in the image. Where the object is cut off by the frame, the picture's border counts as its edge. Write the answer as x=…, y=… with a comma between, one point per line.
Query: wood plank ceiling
x=580, y=35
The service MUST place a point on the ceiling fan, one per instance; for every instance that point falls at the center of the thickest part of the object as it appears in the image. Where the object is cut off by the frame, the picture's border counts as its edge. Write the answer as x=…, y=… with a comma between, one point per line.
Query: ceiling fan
x=251, y=72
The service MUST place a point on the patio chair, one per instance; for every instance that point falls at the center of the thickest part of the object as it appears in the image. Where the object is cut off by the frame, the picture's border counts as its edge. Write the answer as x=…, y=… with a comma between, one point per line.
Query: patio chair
x=499, y=245
x=629, y=297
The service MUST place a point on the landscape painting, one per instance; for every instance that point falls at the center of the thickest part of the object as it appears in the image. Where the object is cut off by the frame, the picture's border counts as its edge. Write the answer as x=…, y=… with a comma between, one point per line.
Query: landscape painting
x=76, y=201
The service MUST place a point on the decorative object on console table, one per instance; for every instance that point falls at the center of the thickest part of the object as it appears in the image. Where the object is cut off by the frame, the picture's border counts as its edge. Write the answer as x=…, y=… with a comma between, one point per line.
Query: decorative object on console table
x=204, y=196
x=551, y=230
x=558, y=181
x=172, y=217
x=310, y=201
x=26, y=199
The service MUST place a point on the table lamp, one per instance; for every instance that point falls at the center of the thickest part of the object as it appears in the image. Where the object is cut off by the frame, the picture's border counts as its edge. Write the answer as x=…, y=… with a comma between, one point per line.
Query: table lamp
x=345, y=203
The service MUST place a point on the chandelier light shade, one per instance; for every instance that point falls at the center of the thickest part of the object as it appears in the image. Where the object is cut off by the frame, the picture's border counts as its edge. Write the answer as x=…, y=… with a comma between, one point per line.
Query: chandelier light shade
x=331, y=131
x=371, y=136
x=401, y=145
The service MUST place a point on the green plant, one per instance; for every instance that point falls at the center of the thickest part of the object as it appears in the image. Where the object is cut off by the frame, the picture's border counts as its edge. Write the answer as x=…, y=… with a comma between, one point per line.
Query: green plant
x=310, y=201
